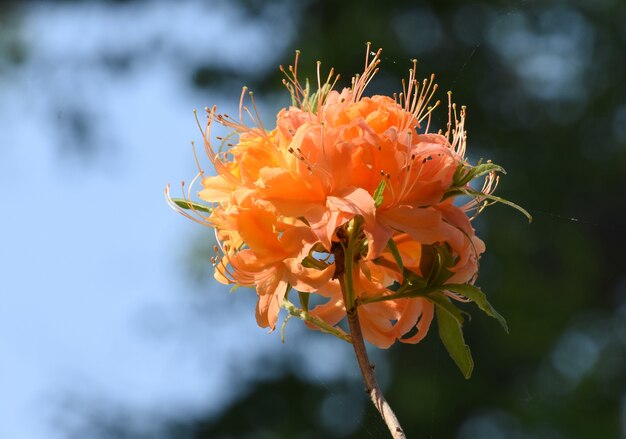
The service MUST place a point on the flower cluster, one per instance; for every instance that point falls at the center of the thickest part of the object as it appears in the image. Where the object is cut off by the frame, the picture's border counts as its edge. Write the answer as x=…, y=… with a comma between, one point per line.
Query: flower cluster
x=359, y=178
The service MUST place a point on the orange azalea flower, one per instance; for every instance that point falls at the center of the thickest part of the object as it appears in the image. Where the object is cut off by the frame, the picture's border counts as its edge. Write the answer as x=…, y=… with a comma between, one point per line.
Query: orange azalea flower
x=270, y=261
x=336, y=158
x=282, y=198
x=350, y=198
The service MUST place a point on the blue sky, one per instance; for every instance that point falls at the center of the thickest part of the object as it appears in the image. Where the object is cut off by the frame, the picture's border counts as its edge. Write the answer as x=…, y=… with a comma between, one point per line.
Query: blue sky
x=96, y=304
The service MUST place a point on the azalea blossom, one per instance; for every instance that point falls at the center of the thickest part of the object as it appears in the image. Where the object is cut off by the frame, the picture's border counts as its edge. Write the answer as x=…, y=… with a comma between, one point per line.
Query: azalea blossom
x=339, y=170
x=352, y=203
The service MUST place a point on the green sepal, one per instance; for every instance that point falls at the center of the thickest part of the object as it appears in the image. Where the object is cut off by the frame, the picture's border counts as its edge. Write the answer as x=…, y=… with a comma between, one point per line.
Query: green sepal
x=190, y=205
x=304, y=300
x=440, y=258
x=414, y=285
x=311, y=262
x=393, y=248
x=378, y=193
x=480, y=299
x=451, y=335
x=310, y=100
x=461, y=178
x=292, y=93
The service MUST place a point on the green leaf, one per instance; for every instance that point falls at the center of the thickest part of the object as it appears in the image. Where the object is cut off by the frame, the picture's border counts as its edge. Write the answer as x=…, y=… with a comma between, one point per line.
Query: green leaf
x=474, y=193
x=378, y=193
x=304, y=300
x=190, y=205
x=451, y=335
x=480, y=299
x=443, y=302
x=393, y=248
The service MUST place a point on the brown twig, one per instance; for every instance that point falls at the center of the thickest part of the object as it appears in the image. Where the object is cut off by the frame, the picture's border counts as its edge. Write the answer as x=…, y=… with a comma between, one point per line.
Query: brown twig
x=367, y=369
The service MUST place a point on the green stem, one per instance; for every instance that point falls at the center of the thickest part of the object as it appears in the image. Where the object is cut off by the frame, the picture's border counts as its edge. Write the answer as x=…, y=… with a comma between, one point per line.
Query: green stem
x=344, y=261
x=321, y=324
x=349, y=253
x=419, y=292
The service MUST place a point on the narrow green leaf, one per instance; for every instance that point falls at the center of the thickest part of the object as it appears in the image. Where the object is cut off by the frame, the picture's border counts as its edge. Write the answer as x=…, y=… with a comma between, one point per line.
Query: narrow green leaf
x=378, y=193
x=485, y=168
x=459, y=172
x=480, y=299
x=393, y=248
x=190, y=205
x=474, y=193
x=451, y=335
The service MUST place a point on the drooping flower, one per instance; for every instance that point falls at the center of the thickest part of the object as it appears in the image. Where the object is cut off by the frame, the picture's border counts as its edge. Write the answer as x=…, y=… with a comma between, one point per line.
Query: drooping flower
x=341, y=174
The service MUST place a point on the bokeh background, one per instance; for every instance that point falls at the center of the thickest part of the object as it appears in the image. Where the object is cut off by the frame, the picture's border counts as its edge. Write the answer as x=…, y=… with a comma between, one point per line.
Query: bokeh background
x=111, y=325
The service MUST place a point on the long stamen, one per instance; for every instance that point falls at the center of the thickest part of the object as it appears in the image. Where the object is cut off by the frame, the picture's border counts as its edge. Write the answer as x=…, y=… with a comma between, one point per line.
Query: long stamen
x=219, y=166
x=258, y=117
x=244, y=89
x=195, y=156
x=182, y=211
x=479, y=203
x=360, y=82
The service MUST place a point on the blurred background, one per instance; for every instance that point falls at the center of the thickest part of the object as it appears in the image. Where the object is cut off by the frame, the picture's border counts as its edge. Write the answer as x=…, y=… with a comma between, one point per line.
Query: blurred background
x=111, y=325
